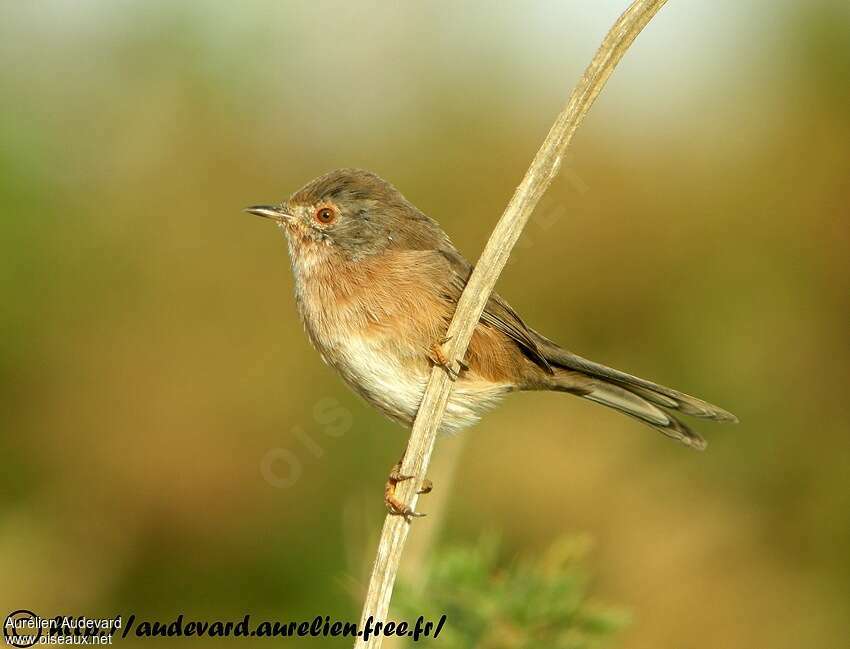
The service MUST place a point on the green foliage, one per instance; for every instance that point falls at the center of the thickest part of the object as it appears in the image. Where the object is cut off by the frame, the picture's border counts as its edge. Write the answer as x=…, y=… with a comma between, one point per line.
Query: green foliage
x=539, y=601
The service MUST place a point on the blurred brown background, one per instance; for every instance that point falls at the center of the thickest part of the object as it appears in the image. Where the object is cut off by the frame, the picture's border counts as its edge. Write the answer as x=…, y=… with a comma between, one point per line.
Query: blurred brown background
x=166, y=439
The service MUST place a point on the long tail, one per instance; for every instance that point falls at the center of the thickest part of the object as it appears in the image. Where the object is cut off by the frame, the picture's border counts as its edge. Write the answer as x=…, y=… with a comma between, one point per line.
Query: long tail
x=645, y=401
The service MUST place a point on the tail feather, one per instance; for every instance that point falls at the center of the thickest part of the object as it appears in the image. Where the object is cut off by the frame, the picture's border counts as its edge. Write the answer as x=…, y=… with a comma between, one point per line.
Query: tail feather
x=628, y=402
x=653, y=392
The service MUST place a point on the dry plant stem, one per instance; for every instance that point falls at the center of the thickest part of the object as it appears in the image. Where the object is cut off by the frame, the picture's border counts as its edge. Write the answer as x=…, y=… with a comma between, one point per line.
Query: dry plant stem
x=412, y=570
x=540, y=174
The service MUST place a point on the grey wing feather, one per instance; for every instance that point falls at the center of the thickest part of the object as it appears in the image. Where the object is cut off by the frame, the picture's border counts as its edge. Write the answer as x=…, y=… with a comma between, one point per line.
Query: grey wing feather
x=497, y=313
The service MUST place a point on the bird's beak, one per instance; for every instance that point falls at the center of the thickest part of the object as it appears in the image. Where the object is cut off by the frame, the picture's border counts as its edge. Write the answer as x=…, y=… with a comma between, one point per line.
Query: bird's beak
x=273, y=212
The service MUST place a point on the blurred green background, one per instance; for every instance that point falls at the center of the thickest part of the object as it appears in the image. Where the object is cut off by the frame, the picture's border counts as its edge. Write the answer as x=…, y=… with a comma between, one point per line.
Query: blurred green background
x=171, y=443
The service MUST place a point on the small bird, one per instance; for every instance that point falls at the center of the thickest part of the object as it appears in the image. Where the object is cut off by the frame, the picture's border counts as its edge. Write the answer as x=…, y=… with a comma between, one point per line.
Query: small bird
x=376, y=285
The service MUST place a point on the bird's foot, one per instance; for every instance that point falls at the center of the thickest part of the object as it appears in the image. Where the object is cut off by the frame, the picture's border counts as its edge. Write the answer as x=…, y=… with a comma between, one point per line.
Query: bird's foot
x=426, y=487
x=438, y=357
x=394, y=506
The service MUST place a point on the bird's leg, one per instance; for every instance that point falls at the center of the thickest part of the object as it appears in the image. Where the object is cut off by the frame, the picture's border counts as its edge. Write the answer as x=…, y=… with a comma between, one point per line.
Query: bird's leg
x=438, y=357
x=394, y=505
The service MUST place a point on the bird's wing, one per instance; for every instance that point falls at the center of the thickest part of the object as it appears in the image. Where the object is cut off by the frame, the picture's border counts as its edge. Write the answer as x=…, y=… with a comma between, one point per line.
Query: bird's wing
x=498, y=314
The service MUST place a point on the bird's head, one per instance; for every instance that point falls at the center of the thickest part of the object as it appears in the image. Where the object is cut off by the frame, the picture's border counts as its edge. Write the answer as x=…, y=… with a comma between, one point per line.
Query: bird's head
x=353, y=214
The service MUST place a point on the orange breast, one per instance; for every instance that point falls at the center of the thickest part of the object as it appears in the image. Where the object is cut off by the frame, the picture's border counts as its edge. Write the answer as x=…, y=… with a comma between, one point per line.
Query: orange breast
x=405, y=299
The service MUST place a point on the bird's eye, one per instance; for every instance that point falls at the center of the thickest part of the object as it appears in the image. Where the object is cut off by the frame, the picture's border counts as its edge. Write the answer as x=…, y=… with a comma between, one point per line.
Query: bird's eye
x=325, y=215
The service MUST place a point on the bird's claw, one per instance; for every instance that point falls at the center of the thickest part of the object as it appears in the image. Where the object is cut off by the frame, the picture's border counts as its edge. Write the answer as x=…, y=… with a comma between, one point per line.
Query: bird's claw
x=394, y=506
x=426, y=487
x=438, y=357
x=397, y=476
x=397, y=508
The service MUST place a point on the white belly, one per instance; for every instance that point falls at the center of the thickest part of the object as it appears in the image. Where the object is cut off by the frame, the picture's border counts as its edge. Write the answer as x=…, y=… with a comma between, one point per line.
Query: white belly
x=395, y=383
